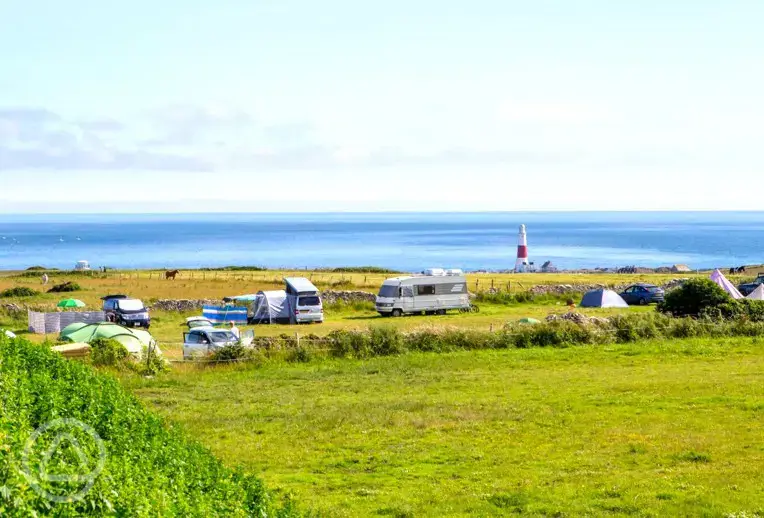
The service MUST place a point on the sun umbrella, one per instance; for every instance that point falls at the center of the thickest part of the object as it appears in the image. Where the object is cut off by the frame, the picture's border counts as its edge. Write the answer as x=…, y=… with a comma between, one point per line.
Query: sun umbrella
x=528, y=320
x=71, y=303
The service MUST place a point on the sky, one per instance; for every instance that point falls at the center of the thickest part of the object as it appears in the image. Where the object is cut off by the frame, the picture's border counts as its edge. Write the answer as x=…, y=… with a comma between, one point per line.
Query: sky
x=341, y=105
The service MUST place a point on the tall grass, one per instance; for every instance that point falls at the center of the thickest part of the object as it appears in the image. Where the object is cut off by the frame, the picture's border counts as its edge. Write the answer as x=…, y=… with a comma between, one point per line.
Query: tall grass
x=384, y=341
x=150, y=469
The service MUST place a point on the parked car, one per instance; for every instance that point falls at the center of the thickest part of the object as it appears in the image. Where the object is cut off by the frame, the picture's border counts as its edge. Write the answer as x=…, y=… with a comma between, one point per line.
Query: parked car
x=125, y=311
x=747, y=288
x=203, y=341
x=642, y=294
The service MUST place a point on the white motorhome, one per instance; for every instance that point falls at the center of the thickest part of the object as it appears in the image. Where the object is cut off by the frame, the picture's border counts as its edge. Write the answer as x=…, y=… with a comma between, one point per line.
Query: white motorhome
x=429, y=294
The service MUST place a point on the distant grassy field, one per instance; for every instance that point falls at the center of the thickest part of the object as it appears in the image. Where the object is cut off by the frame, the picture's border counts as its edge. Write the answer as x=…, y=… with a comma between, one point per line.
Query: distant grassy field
x=652, y=429
x=196, y=284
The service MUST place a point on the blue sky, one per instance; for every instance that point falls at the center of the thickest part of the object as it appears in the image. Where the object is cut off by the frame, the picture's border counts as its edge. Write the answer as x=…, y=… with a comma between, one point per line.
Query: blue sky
x=347, y=105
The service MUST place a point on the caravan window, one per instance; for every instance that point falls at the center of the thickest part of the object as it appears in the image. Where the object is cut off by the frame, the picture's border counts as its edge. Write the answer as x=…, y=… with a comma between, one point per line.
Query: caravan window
x=388, y=290
x=310, y=300
x=425, y=290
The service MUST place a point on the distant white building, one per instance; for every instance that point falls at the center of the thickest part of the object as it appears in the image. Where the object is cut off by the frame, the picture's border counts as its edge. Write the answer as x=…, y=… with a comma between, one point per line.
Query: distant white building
x=82, y=266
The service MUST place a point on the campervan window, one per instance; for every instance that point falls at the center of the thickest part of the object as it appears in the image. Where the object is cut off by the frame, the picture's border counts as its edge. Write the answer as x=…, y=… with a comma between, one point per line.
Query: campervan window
x=425, y=290
x=310, y=300
x=130, y=305
x=388, y=291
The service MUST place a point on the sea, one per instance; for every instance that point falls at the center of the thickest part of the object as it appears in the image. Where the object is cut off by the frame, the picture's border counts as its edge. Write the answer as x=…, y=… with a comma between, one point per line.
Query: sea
x=399, y=241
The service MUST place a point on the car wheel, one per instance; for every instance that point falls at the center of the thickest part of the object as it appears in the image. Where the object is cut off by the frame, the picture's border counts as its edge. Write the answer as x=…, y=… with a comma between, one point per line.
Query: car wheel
x=643, y=302
x=397, y=312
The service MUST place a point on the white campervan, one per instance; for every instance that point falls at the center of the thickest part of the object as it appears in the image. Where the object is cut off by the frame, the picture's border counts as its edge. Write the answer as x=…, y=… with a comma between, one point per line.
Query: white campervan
x=304, y=299
x=429, y=294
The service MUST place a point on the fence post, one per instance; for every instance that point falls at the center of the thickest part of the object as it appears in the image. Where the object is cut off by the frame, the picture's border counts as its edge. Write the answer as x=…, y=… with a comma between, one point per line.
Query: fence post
x=477, y=283
x=148, y=357
x=297, y=338
x=491, y=284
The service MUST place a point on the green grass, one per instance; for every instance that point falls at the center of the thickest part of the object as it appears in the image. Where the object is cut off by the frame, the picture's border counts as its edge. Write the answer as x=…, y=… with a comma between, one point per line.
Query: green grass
x=652, y=429
x=148, y=468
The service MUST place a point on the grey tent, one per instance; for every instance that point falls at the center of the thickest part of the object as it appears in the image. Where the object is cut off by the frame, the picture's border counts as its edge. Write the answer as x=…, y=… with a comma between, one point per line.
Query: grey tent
x=270, y=307
x=603, y=298
x=757, y=294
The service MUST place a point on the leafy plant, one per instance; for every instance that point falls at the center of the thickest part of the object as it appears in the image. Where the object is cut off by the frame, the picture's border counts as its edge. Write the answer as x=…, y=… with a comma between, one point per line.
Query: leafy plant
x=65, y=287
x=693, y=297
x=107, y=352
x=150, y=468
x=236, y=352
x=19, y=291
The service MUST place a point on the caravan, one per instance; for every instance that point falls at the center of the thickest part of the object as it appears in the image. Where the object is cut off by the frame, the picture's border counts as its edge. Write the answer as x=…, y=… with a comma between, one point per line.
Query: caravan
x=429, y=294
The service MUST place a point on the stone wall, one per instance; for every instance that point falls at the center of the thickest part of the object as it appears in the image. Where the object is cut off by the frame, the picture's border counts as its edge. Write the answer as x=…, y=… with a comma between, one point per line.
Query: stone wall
x=346, y=297
x=183, y=305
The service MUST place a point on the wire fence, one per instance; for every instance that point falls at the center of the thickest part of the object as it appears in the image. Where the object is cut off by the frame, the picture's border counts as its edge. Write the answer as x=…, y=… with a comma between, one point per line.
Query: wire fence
x=340, y=281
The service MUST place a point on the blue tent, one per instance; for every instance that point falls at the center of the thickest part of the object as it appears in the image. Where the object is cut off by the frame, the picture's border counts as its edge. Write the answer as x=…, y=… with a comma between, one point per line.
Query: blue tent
x=603, y=298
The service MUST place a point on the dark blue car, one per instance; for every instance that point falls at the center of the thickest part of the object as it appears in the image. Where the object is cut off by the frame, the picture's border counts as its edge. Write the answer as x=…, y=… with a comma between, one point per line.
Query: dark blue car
x=642, y=294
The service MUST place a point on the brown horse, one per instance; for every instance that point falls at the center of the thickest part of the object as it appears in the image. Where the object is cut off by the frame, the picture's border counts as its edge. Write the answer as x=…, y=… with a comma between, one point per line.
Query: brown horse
x=170, y=274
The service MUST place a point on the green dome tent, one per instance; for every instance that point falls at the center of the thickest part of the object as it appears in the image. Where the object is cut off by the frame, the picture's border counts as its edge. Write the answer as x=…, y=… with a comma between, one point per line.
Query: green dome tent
x=134, y=340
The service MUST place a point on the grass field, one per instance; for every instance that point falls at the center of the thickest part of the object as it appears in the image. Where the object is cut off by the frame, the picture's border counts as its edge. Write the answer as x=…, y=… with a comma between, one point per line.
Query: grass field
x=649, y=429
x=654, y=429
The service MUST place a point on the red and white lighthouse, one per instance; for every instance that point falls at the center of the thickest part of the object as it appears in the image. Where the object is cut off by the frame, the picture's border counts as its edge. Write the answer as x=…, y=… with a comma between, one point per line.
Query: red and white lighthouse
x=522, y=265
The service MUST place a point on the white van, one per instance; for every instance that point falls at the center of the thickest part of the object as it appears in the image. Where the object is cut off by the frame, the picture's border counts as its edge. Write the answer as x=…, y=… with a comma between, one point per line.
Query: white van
x=305, y=300
x=429, y=294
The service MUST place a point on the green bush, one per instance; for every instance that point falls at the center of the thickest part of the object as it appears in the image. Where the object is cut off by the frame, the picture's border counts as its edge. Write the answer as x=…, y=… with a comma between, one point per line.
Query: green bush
x=19, y=291
x=65, y=288
x=386, y=341
x=232, y=353
x=349, y=344
x=151, y=468
x=752, y=310
x=299, y=355
x=694, y=297
x=150, y=363
x=107, y=352
x=630, y=328
x=556, y=334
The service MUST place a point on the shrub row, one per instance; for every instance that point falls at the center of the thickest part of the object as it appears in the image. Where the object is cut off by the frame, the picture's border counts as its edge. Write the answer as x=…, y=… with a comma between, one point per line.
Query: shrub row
x=150, y=469
x=383, y=341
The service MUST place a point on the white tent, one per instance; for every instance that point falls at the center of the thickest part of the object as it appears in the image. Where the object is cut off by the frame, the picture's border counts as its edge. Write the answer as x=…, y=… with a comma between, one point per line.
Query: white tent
x=719, y=278
x=757, y=294
x=271, y=307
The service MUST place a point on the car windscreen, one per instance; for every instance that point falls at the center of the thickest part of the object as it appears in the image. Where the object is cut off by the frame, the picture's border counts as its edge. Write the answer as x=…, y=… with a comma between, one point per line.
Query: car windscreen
x=389, y=291
x=222, y=336
x=310, y=300
x=652, y=289
x=130, y=305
